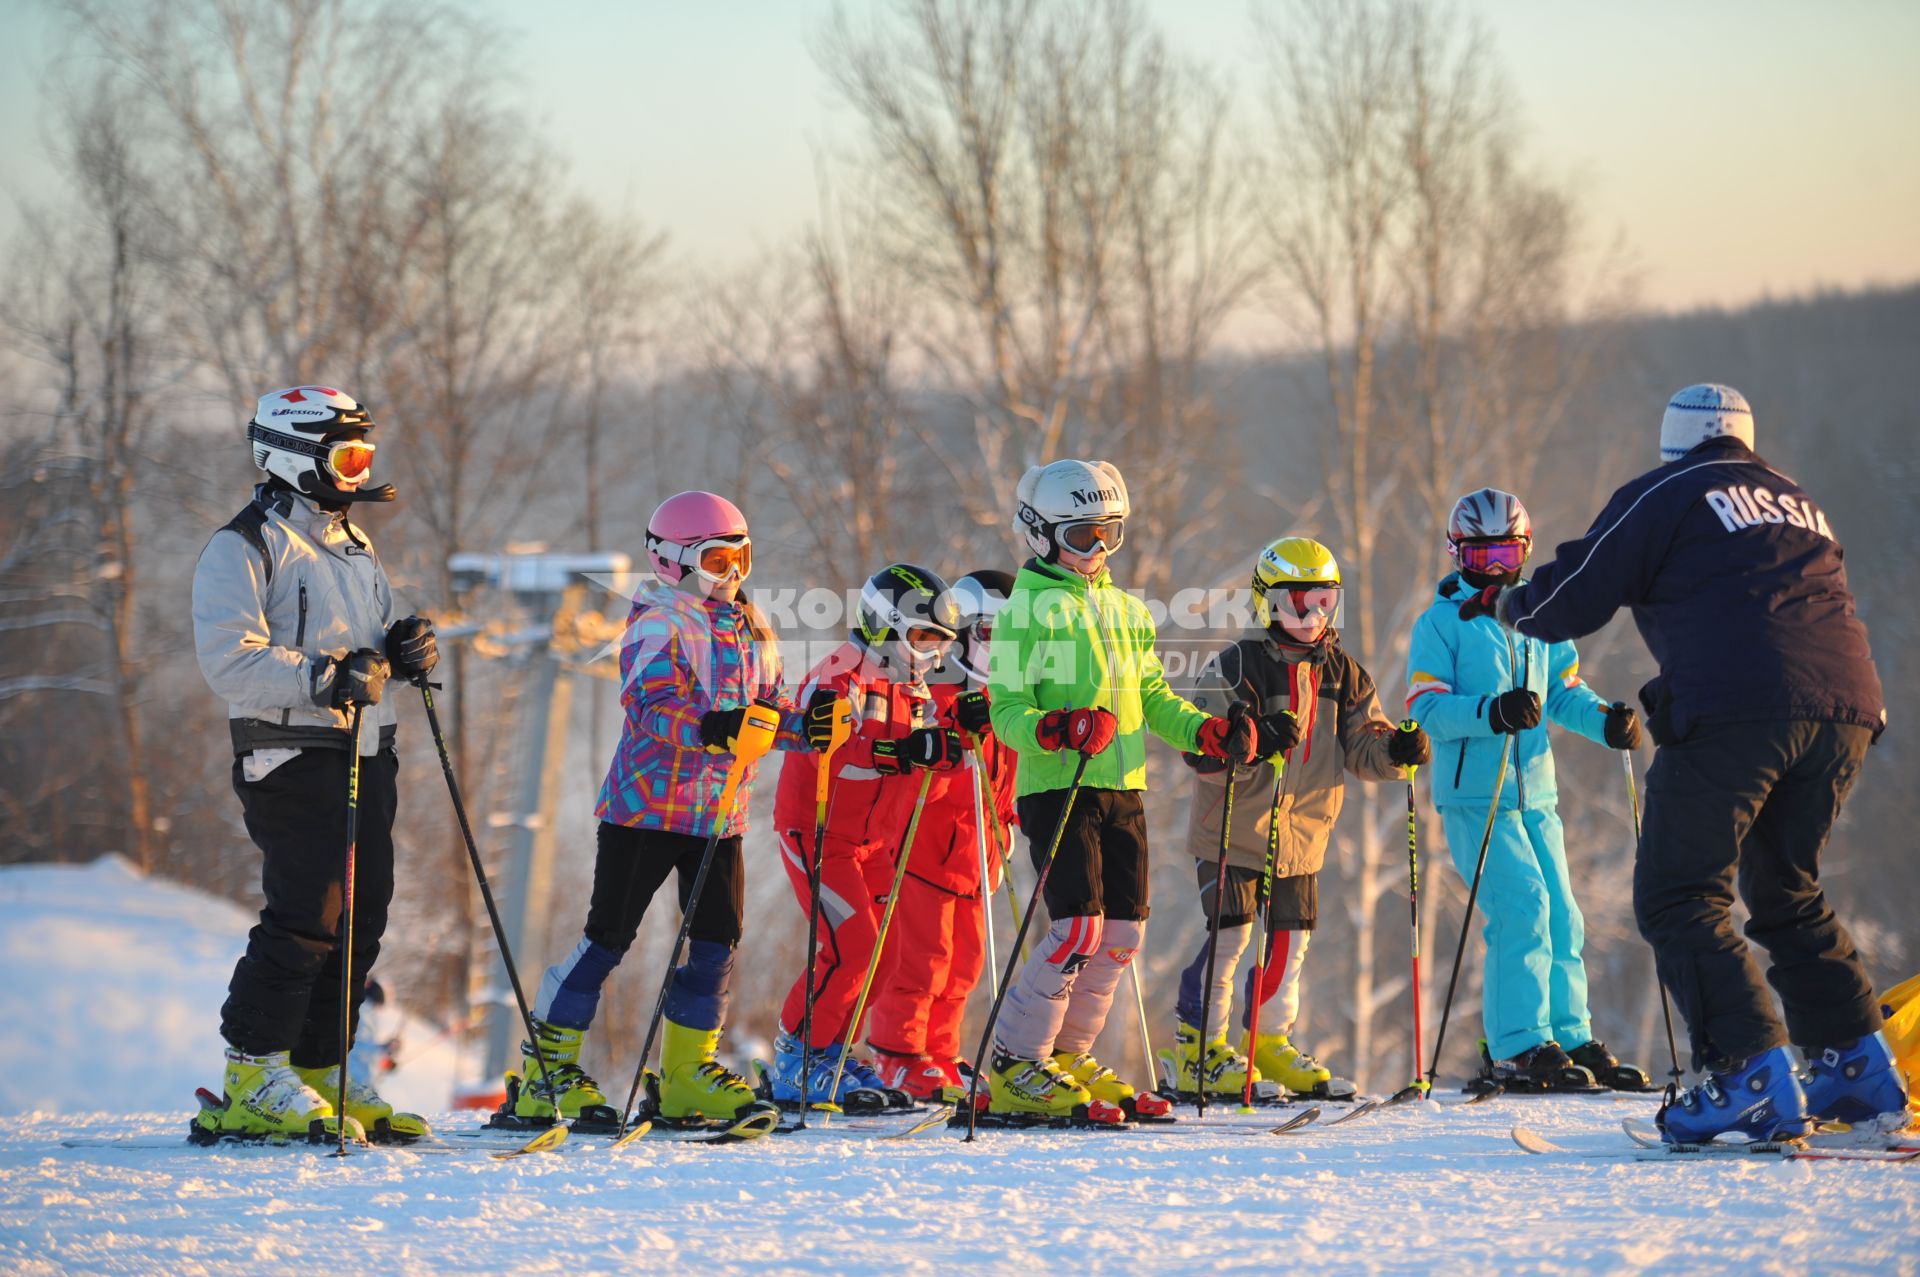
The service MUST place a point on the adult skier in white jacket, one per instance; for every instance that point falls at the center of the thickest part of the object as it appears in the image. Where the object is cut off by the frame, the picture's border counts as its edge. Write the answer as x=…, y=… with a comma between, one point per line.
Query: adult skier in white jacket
x=294, y=627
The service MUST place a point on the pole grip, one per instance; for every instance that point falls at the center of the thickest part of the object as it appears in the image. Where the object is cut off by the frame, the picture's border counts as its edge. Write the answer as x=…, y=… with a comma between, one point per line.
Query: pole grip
x=842, y=733
x=757, y=731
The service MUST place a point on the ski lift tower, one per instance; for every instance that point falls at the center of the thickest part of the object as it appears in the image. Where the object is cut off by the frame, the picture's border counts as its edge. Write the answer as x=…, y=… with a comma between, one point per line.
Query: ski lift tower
x=557, y=636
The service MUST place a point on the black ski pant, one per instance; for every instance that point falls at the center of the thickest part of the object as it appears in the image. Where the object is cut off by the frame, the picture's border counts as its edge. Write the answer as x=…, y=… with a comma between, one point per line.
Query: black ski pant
x=285, y=993
x=1751, y=804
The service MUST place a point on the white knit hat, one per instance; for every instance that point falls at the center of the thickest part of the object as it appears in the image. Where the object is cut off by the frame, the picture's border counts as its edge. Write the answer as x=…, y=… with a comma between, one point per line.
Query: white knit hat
x=1703, y=412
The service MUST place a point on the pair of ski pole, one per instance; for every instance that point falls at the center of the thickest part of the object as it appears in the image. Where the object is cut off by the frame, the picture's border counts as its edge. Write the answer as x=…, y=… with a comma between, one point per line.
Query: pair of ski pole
x=755, y=738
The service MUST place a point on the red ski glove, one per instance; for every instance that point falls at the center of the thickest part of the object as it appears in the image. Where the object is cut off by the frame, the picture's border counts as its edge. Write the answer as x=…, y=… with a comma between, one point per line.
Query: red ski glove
x=1231, y=738
x=1482, y=603
x=1087, y=730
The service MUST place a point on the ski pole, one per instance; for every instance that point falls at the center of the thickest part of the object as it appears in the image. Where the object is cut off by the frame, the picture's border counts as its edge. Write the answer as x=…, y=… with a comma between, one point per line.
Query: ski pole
x=981, y=1061
x=1666, y=1003
x=486, y=888
x=1140, y=1011
x=1237, y=713
x=1005, y=851
x=842, y=731
x=1419, y=1086
x=755, y=738
x=880, y=941
x=1260, y=954
x=346, y=931
x=986, y=878
x=1473, y=892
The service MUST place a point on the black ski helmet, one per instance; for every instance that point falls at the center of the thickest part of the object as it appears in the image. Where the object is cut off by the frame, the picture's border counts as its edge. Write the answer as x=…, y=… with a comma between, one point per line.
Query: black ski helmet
x=903, y=596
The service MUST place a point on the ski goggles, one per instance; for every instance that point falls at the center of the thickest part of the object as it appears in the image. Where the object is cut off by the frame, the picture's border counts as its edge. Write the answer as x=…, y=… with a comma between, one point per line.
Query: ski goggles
x=1305, y=606
x=348, y=460
x=1091, y=536
x=1492, y=556
x=716, y=559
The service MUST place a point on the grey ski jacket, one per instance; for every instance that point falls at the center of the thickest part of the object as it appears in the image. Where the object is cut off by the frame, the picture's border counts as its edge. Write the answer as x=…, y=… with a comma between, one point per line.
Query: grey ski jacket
x=281, y=586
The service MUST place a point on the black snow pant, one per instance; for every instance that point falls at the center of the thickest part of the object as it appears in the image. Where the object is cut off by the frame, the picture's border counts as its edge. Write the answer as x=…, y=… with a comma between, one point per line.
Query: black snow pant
x=285, y=993
x=1752, y=804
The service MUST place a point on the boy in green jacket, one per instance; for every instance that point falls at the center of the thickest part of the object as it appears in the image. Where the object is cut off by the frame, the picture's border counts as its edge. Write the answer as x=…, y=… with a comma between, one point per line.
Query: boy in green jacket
x=1072, y=671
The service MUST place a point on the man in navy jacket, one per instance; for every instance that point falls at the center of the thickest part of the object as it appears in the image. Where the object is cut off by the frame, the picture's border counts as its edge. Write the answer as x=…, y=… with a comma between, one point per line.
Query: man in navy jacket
x=1765, y=705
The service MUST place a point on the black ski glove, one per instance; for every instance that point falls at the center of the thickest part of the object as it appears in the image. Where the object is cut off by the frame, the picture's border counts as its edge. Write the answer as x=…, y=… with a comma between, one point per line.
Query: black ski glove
x=1514, y=711
x=719, y=727
x=1623, y=727
x=1203, y=764
x=932, y=747
x=357, y=678
x=412, y=649
x=1410, y=749
x=1278, y=733
x=824, y=708
x=970, y=708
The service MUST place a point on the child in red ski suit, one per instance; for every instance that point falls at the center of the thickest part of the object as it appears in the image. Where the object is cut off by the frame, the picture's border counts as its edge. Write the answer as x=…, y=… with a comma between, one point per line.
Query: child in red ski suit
x=935, y=947
x=906, y=623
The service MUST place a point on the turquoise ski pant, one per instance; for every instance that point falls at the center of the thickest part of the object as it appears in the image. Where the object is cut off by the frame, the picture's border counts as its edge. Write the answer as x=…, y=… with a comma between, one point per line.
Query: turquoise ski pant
x=1536, y=983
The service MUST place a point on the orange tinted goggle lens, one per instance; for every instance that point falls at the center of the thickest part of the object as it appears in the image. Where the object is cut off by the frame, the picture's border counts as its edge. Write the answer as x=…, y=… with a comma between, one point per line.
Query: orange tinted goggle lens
x=925, y=638
x=351, y=460
x=1085, y=538
x=1302, y=604
x=719, y=560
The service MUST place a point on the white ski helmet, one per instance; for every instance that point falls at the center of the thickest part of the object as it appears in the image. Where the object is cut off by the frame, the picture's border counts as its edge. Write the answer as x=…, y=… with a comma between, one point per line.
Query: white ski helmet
x=1488, y=514
x=314, y=439
x=979, y=597
x=1067, y=492
x=1703, y=412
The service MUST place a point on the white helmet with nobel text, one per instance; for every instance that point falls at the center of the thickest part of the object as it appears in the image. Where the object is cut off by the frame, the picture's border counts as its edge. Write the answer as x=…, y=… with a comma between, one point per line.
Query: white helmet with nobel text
x=315, y=440
x=1079, y=506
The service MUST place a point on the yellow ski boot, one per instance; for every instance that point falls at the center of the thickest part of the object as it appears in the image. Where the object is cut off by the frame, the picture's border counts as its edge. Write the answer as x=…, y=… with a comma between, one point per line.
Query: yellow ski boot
x=693, y=1084
x=1032, y=1087
x=364, y=1105
x=1301, y=1074
x=564, y=1091
x=265, y=1099
x=1103, y=1083
x=1224, y=1070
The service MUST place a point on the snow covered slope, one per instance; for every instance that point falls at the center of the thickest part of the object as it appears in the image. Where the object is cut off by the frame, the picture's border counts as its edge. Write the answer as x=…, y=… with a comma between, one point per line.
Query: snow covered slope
x=134, y=970
x=1417, y=1191
x=113, y=990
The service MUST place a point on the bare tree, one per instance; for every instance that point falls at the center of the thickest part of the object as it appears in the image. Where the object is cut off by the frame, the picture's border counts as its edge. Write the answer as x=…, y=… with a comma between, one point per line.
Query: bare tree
x=1059, y=198
x=1432, y=275
x=88, y=300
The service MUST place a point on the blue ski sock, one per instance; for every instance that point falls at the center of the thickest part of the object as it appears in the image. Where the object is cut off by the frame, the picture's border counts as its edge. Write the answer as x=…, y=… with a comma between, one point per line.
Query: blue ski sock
x=699, y=996
x=570, y=990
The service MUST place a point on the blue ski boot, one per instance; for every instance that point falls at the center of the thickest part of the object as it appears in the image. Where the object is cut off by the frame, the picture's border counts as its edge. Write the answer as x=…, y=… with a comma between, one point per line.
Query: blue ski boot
x=1856, y=1083
x=863, y=1076
x=1759, y=1098
x=783, y=1080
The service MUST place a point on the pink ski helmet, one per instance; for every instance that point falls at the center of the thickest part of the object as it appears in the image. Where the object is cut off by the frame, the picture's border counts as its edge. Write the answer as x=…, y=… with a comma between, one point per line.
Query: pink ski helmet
x=686, y=522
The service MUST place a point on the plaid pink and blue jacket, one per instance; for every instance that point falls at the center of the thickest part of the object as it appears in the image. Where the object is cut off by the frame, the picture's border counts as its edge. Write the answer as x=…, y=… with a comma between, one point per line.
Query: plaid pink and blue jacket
x=679, y=658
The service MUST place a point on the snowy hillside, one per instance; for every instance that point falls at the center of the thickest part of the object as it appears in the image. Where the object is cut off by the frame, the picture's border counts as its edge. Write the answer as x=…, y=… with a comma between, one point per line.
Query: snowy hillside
x=114, y=980
x=114, y=992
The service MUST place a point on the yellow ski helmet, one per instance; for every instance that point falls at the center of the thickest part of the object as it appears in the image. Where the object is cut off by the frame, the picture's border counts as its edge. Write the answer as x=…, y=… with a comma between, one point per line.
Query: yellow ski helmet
x=1292, y=563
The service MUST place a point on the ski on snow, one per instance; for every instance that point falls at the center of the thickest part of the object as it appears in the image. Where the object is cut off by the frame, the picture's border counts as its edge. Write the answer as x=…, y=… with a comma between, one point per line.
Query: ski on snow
x=1649, y=1147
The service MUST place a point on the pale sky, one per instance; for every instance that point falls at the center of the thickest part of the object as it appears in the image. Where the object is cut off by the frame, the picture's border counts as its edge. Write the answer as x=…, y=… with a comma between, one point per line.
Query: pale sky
x=1742, y=147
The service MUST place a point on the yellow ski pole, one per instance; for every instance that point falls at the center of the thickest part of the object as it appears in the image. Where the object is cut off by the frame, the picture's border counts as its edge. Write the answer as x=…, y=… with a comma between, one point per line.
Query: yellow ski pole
x=880, y=941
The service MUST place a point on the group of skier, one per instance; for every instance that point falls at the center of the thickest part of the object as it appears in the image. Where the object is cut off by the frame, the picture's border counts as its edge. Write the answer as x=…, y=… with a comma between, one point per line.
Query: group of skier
x=953, y=714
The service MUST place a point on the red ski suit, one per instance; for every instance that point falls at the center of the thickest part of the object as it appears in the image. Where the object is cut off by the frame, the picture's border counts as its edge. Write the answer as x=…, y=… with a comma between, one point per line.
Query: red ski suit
x=867, y=814
x=935, y=945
